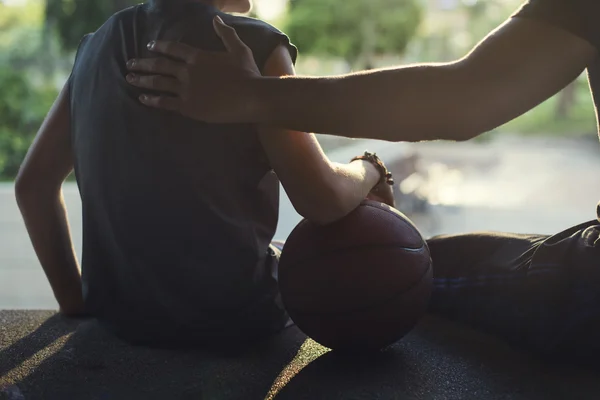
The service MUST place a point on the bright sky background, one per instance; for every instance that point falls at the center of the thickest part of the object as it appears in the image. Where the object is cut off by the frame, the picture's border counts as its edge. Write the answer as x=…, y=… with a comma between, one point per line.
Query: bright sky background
x=13, y=2
x=269, y=9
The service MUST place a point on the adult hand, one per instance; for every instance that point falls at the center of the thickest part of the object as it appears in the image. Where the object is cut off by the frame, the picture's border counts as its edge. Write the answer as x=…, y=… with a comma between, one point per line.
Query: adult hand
x=208, y=86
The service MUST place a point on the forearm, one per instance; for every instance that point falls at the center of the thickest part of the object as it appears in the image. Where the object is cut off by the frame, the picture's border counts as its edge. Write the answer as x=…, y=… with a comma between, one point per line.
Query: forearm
x=353, y=182
x=45, y=217
x=423, y=102
x=512, y=70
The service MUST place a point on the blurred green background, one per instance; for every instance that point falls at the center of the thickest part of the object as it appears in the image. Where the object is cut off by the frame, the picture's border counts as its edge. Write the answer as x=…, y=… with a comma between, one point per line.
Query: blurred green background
x=38, y=39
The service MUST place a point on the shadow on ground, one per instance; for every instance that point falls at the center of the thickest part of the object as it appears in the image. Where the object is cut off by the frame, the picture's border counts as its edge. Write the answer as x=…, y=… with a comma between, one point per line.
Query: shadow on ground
x=44, y=356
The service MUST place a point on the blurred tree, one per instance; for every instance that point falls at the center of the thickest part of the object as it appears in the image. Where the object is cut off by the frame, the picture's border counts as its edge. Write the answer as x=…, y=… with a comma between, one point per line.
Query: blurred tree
x=74, y=18
x=20, y=35
x=25, y=94
x=355, y=30
x=22, y=110
x=567, y=101
x=485, y=15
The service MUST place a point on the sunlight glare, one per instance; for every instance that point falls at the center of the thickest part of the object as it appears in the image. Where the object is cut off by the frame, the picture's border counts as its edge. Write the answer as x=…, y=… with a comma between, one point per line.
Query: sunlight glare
x=308, y=352
x=20, y=371
x=269, y=9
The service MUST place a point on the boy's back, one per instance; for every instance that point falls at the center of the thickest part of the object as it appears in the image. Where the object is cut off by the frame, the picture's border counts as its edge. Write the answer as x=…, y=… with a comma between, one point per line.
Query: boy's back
x=177, y=215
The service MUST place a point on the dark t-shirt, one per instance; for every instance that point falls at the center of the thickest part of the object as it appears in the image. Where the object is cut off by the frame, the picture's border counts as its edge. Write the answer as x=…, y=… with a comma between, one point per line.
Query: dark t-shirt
x=581, y=18
x=177, y=214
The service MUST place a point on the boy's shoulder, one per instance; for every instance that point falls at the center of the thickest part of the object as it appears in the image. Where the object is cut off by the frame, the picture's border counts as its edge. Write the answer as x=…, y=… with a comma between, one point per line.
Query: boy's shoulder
x=259, y=35
x=243, y=22
x=118, y=16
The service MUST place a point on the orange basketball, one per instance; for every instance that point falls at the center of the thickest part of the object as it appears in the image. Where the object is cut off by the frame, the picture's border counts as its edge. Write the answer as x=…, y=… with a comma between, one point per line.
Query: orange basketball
x=360, y=283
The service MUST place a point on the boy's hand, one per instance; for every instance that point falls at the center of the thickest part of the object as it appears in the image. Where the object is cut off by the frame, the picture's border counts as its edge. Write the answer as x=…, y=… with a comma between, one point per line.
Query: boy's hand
x=206, y=86
x=384, y=193
x=71, y=303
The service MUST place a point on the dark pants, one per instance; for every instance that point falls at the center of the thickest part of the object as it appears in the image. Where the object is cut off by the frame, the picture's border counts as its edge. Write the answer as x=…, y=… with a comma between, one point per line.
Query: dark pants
x=538, y=292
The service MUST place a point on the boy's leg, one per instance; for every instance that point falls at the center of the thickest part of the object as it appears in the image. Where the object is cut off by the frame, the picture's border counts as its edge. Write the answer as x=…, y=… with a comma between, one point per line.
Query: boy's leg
x=278, y=244
x=540, y=292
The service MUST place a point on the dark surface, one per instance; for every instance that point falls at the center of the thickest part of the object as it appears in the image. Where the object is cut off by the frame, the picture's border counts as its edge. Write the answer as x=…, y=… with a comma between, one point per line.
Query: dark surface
x=49, y=357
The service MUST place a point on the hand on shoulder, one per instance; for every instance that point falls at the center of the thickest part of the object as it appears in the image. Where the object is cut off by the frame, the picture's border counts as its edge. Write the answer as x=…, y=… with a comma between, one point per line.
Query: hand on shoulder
x=208, y=86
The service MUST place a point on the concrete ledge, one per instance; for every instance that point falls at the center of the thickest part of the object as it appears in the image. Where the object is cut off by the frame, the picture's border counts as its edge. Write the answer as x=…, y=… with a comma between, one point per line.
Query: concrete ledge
x=44, y=356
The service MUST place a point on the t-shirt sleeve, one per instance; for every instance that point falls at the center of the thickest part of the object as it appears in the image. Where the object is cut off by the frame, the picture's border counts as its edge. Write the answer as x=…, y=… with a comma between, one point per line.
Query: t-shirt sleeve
x=579, y=17
x=80, y=48
x=262, y=39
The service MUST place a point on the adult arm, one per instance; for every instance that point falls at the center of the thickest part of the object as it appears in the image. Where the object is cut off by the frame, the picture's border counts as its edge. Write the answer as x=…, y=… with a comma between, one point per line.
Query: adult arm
x=320, y=190
x=516, y=67
x=39, y=196
x=512, y=70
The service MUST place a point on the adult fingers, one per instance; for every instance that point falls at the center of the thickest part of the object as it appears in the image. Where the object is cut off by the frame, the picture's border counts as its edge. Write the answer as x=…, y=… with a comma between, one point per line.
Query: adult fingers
x=163, y=102
x=176, y=50
x=155, y=82
x=157, y=66
x=229, y=36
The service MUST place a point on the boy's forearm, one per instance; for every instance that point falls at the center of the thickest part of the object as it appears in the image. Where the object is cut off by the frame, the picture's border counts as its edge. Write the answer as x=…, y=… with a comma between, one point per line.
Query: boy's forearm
x=405, y=104
x=46, y=221
x=355, y=180
x=348, y=185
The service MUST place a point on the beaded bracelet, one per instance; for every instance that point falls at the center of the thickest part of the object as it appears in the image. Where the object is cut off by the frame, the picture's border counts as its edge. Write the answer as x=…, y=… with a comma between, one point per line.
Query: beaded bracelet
x=386, y=176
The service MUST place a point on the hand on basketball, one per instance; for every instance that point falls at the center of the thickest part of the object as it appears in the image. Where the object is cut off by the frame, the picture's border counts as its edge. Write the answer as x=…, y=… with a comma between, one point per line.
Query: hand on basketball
x=207, y=86
x=384, y=193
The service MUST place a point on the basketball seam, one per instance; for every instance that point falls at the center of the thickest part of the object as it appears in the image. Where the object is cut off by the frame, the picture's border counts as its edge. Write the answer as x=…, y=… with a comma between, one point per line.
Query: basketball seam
x=366, y=308
x=366, y=204
x=405, y=221
x=351, y=250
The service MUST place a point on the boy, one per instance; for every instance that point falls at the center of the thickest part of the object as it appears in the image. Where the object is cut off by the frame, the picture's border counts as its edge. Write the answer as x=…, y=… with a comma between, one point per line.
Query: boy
x=178, y=215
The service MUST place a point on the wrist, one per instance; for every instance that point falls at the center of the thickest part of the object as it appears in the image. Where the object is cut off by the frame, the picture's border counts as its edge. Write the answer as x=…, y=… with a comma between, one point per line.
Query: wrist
x=71, y=304
x=385, y=176
x=257, y=99
x=68, y=288
x=372, y=174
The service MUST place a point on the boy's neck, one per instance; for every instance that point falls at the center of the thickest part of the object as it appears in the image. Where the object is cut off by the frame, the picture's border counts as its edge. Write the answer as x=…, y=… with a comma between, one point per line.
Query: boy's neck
x=218, y=4
x=214, y=3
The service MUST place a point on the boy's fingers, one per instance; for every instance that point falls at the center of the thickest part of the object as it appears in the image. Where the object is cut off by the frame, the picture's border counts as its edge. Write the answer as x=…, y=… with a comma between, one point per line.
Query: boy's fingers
x=229, y=36
x=157, y=66
x=163, y=102
x=176, y=50
x=155, y=82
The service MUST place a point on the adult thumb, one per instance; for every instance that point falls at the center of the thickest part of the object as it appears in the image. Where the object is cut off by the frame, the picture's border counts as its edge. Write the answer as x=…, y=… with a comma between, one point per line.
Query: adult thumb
x=228, y=35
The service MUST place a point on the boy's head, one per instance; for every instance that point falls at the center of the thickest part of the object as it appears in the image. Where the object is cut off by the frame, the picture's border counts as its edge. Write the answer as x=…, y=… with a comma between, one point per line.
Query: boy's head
x=236, y=6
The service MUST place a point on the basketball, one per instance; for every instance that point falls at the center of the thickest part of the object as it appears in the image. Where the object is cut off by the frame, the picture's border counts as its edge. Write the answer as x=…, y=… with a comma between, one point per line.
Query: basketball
x=359, y=283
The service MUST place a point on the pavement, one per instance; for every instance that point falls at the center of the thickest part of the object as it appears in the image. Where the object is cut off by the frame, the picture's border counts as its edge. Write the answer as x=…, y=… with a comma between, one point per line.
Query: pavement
x=44, y=356
x=519, y=185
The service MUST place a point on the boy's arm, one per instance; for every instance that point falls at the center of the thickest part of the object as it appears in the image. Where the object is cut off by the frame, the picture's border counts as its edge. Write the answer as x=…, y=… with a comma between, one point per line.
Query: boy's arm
x=320, y=190
x=39, y=196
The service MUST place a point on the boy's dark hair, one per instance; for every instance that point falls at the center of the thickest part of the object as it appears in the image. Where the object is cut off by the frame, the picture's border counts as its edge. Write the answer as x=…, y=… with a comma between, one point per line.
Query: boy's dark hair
x=167, y=5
